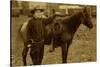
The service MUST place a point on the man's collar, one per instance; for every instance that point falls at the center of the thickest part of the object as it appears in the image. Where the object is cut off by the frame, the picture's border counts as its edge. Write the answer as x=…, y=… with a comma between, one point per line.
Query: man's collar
x=37, y=18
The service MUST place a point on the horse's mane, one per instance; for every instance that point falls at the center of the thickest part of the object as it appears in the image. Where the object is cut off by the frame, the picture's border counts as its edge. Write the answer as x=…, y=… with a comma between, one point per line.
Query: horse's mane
x=75, y=15
x=67, y=17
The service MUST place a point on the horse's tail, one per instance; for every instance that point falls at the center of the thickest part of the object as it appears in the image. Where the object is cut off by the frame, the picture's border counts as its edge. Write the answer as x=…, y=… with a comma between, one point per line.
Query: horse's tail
x=23, y=31
x=18, y=37
x=19, y=31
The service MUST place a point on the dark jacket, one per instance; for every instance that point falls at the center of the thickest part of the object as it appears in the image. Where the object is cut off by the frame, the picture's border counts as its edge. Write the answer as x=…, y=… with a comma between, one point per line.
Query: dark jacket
x=36, y=28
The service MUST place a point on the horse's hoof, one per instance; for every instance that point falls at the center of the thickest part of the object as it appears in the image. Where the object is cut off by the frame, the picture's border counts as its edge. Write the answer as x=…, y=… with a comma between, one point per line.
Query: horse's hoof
x=30, y=64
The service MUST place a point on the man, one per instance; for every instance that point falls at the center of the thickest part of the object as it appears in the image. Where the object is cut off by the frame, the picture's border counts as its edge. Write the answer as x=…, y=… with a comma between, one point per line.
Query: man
x=35, y=26
x=35, y=36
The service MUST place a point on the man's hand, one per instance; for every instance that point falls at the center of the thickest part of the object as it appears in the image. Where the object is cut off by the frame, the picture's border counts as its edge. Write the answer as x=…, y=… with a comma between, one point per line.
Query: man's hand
x=29, y=45
x=30, y=41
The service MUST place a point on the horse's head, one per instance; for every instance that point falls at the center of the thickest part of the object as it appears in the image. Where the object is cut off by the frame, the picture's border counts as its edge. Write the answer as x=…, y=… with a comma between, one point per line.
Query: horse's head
x=87, y=18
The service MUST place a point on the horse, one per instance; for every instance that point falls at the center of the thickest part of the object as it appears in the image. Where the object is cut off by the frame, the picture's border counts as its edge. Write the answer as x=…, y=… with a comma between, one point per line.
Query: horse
x=36, y=56
x=63, y=30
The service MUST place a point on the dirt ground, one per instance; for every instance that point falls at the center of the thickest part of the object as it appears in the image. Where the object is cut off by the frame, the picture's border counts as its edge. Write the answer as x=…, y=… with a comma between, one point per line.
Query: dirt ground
x=82, y=49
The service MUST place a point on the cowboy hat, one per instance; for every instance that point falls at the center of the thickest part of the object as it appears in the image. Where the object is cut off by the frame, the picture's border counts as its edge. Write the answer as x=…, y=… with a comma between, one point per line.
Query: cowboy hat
x=36, y=9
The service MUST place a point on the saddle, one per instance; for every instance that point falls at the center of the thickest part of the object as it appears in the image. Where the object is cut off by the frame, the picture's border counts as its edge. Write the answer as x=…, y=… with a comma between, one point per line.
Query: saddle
x=57, y=26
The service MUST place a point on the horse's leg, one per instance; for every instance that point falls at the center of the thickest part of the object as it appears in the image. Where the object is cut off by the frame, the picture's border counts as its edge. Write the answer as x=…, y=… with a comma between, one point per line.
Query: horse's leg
x=53, y=43
x=64, y=52
x=24, y=53
x=52, y=47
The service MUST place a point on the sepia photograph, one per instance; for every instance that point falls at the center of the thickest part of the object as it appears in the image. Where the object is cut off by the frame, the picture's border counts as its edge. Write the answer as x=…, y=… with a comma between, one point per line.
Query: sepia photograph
x=44, y=33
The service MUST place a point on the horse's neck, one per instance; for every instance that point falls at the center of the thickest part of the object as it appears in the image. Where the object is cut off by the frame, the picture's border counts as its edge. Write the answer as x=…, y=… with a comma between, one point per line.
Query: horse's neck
x=73, y=22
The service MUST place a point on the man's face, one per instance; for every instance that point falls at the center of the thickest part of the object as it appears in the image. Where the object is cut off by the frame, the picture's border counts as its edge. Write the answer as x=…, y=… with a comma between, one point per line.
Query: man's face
x=38, y=14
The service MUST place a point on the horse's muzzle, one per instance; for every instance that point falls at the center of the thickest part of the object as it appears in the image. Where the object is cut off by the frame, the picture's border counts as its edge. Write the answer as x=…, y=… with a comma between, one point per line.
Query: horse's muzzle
x=91, y=26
